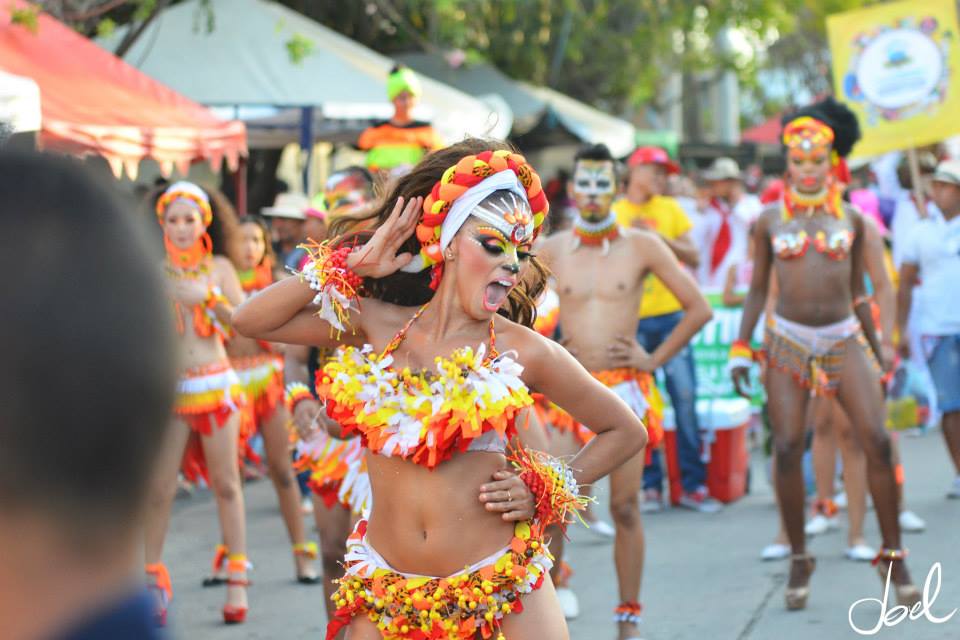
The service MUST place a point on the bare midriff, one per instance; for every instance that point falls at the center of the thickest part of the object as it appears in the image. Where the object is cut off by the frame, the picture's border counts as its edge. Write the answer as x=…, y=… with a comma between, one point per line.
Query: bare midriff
x=432, y=523
x=599, y=298
x=194, y=350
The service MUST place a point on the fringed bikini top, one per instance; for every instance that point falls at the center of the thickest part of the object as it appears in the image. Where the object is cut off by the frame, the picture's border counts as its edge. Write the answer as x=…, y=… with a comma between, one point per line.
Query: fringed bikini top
x=792, y=242
x=469, y=403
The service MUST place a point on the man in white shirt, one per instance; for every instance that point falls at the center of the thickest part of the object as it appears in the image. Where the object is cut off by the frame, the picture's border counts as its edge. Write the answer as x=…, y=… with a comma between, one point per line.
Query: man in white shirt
x=726, y=222
x=932, y=253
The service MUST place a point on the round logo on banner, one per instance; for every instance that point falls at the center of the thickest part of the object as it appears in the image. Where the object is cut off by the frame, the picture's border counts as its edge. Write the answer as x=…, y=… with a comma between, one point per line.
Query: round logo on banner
x=899, y=71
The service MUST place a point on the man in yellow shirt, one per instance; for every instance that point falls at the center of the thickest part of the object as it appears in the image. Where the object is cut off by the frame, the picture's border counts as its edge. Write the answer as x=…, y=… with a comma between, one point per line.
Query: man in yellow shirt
x=645, y=206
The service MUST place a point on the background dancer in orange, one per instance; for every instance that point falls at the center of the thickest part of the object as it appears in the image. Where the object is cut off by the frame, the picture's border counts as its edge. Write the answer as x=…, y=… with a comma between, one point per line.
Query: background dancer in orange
x=260, y=368
x=210, y=398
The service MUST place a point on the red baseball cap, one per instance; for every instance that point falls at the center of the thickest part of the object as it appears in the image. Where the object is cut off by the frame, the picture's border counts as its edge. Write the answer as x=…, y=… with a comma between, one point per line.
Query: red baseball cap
x=653, y=155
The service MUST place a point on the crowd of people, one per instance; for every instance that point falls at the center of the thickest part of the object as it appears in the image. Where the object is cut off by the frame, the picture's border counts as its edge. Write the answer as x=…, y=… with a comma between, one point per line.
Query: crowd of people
x=447, y=365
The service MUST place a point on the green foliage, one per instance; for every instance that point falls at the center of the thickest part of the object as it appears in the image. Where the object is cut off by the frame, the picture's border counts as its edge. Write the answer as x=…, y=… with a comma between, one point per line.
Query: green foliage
x=613, y=53
x=106, y=27
x=25, y=17
x=299, y=47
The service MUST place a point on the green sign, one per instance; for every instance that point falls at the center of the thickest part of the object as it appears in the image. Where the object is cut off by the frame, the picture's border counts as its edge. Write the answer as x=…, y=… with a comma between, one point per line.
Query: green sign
x=711, y=347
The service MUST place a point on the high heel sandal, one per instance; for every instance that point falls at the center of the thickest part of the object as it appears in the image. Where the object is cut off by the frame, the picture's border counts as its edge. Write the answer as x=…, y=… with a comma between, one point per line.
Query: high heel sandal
x=796, y=597
x=219, y=558
x=306, y=550
x=162, y=585
x=907, y=594
x=237, y=563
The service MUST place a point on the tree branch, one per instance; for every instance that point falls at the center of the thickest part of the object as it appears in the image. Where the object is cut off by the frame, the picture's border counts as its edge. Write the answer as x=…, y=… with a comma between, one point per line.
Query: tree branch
x=134, y=33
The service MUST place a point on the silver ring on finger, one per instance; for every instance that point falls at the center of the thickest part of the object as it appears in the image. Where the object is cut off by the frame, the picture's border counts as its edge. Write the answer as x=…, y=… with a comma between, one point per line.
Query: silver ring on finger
x=509, y=499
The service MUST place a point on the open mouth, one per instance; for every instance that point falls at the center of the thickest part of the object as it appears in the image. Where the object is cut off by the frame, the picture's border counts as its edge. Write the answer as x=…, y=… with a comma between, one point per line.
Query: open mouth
x=496, y=294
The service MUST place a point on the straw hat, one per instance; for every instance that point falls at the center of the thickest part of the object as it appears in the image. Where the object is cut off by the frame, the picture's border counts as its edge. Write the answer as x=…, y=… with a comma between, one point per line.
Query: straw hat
x=288, y=205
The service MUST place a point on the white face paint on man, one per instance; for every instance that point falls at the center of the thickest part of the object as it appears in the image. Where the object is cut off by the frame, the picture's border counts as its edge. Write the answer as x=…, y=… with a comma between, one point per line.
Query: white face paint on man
x=594, y=186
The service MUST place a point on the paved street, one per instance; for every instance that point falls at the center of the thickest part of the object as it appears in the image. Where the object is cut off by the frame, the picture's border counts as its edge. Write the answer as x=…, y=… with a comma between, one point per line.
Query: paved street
x=703, y=577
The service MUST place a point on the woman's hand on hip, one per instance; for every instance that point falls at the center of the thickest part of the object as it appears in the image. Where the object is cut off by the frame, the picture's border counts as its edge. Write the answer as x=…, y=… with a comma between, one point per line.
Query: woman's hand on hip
x=509, y=495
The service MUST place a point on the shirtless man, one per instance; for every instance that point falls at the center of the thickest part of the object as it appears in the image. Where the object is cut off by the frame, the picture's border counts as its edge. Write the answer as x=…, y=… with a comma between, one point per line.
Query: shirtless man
x=600, y=269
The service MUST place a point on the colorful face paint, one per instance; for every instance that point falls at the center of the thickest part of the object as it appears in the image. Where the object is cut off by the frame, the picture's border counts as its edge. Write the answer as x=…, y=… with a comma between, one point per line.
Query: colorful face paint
x=594, y=186
x=496, y=244
x=508, y=214
x=810, y=158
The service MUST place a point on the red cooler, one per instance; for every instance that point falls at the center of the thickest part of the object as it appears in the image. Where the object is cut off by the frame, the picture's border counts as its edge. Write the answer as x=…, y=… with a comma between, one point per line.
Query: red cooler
x=723, y=426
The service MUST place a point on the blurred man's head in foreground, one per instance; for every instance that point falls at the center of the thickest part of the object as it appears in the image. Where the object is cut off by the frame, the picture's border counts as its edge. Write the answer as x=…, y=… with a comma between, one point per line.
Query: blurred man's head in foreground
x=86, y=385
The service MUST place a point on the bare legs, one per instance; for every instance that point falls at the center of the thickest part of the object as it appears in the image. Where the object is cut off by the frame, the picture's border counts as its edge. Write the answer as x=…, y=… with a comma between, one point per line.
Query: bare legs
x=861, y=398
x=628, y=544
x=833, y=428
x=788, y=408
x=220, y=450
x=334, y=526
x=163, y=489
x=277, y=445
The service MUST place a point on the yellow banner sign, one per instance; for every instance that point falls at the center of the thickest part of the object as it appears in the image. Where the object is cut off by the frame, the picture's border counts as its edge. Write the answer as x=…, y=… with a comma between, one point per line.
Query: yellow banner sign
x=896, y=65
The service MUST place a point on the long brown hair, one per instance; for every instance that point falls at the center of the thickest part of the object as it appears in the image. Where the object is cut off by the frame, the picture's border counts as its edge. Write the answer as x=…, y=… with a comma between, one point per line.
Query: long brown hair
x=413, y=289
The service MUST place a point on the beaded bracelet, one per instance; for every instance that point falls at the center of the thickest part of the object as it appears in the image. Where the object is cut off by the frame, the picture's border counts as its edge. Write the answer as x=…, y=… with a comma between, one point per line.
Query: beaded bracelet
x=741, y=355
x=555, y=490
x=889, y=554
x=337, y=286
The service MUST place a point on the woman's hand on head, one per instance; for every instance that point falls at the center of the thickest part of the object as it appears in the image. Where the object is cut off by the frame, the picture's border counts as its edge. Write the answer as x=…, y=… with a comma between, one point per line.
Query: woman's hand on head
x=378, y=257
x=508, y=495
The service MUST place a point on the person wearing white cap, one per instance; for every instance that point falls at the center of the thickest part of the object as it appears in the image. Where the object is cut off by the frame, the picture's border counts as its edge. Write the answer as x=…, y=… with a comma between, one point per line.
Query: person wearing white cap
x=726, y=222
x=932, y=254
x=287, y=216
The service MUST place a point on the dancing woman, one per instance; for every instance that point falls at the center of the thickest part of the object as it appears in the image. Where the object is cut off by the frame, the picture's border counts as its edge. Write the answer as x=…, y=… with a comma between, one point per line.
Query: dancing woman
x=204, y=289
x=260, y=368
x=435, y=393
x=814, y=345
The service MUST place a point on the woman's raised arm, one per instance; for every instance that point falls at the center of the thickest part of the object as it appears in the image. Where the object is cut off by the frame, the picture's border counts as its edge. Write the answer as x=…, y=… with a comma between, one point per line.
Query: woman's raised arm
x=282, y=311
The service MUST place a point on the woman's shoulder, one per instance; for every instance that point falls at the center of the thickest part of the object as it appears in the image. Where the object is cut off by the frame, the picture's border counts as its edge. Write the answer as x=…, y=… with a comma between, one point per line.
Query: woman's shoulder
x=378, y=318
x=513, y=336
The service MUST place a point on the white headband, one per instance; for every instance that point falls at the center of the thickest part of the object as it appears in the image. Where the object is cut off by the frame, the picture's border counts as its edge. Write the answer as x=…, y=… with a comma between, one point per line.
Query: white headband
x=467, y=204
x=187, y=187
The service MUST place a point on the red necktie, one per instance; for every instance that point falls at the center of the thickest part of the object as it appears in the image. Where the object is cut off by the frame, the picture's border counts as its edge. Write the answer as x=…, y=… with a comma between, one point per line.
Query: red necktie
x=722, y=242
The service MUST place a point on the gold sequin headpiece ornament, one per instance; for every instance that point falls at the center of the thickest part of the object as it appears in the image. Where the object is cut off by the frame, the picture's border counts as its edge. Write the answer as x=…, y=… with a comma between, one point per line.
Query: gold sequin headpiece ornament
x=807, y=133
x=456, y=196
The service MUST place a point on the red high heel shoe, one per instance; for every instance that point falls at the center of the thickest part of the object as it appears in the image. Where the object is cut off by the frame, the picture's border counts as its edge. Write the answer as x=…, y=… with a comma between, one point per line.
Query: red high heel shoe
x=237, y=563
x=161, y=584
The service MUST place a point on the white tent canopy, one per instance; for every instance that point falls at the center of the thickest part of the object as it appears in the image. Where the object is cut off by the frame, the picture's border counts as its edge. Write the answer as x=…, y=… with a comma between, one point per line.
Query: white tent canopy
x=245, y=62
x=19, y=103
x=588, y=123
